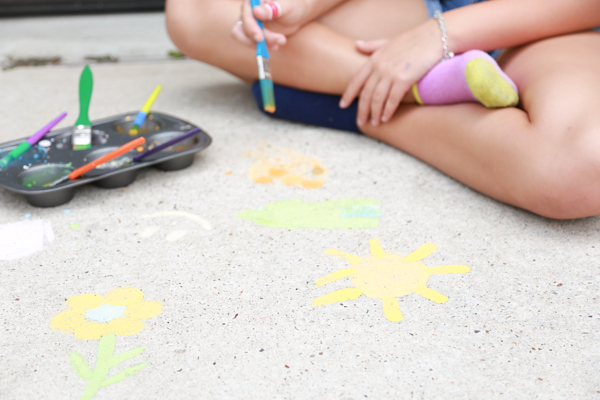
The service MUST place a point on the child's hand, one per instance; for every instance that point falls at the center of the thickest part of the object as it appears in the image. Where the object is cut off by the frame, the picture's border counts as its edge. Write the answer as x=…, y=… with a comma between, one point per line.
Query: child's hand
x=281, y=19
x=394, y=66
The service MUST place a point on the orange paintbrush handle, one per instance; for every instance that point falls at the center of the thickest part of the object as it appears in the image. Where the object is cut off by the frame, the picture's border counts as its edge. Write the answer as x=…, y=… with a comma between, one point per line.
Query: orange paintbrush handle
x=107, y=157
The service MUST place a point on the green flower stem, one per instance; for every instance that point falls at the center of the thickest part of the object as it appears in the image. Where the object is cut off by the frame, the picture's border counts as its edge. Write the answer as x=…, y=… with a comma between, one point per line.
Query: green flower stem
x=106, y=360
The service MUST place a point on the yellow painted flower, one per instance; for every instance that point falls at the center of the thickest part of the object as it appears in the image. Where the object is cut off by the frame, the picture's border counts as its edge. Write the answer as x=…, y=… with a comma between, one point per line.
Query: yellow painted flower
x=92, y=316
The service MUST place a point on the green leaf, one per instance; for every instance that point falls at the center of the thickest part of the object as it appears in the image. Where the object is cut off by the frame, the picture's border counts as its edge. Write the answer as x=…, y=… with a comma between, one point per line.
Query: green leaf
x=126, y=373
x=119, y=358
x=80, y=366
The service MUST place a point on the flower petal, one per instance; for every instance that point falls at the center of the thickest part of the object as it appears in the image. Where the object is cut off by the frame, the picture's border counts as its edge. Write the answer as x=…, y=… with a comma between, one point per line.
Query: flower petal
x=124, y=296
x=91, y=330
x=144, y=309
x=85, y=301
x=125, y=326
x=68, y=321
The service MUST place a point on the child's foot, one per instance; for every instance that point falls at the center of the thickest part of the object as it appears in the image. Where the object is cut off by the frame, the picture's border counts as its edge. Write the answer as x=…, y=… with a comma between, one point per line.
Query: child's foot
x=470, y=77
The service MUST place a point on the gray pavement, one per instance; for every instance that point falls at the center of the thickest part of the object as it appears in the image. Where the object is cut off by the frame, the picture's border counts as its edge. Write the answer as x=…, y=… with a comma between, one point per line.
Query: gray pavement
x=130, y=37
x=236, y=317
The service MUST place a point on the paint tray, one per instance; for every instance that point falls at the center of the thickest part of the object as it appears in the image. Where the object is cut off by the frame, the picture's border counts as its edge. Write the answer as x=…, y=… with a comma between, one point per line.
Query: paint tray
x=54, y=157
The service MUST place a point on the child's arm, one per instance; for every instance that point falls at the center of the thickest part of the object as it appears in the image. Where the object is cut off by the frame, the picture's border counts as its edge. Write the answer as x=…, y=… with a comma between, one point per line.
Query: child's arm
x=506, y=23
x=395, y=65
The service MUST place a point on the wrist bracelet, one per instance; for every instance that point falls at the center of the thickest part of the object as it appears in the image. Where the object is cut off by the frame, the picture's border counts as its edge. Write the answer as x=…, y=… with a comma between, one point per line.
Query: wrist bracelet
x=442, y=23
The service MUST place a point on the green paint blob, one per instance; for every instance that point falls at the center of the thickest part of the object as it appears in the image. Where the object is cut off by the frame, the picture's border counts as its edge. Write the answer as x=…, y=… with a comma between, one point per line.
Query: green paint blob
x=330, y=214
x=74, y=226
x=97, y=378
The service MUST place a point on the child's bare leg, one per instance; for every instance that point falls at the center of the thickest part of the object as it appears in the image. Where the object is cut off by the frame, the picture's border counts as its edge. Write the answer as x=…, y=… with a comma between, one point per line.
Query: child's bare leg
x=544, y=158
x=317, y=58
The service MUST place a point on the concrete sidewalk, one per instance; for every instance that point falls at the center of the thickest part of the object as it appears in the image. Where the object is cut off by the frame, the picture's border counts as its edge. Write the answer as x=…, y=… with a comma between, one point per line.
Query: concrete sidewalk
x=228, y=307
x=130, y=37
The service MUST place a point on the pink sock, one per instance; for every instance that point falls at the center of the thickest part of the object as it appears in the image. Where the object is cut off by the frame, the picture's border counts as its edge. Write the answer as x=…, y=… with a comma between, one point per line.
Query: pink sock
x=473, y=76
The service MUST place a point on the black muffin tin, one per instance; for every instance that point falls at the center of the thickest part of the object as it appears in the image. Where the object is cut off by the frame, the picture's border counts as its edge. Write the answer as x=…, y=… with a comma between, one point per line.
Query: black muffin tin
x=54, y=157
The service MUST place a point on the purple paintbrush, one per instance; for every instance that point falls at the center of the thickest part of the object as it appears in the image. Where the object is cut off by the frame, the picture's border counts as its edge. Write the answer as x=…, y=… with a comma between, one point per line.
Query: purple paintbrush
x=26, y=145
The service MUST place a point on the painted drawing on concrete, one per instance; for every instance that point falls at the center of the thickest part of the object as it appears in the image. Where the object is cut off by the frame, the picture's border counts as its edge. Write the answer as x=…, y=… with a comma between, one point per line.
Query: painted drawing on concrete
x=24, y=238
x=330, y=214
x=95, y=317
x=287, y=167
x=386, y=276
x=173, y=235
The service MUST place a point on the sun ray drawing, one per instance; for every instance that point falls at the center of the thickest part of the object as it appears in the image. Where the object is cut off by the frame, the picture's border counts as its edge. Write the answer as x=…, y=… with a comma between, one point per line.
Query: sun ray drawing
x=386, y=276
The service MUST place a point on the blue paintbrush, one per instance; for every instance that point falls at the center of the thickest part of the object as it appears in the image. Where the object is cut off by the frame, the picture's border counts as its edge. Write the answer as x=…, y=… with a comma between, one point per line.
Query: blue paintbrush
x=264, y=69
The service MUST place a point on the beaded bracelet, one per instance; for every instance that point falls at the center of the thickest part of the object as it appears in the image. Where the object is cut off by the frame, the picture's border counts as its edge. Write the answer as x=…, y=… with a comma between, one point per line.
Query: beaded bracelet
x=442, y=23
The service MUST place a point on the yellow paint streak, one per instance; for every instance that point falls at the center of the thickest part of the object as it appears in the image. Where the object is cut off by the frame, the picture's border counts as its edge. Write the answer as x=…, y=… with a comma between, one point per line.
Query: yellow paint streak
x=337, y=296
x=201, y=221
x=431, y=294
x=391, y=309
x=387, y=277
x=74, y=320
x=85, y=301
x=91, y=330
x=376, y=249
x=125, y=326
x=67, y=321
x=144, y=309
x=342, y=273
x=448, y=269
x=124, y=296
x=351, y=258
x=421, y=252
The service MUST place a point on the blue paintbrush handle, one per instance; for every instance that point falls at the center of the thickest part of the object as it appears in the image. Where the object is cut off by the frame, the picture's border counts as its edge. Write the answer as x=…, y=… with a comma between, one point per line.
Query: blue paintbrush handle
x=261, y=47
x=139, y=119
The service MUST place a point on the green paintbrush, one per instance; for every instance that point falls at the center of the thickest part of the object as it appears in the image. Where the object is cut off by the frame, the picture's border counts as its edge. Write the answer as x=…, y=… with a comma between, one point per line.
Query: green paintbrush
x=82, y=135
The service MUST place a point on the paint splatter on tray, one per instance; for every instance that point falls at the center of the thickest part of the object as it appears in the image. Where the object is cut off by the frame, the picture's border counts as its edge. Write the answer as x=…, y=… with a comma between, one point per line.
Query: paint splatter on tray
x=330, y=214
x=386, y=276
x=91, y=317
x=287, y=167
x=22, y=239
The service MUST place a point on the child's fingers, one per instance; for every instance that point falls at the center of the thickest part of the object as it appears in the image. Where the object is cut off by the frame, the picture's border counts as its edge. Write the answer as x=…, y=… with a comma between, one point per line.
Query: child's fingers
x=355, y=85
x=365, y=99
x=393, y=101
x=370, y=46
x=378, y=100
x=274, y=39
x=269, y=10
x=249, y=24
x=238, y=33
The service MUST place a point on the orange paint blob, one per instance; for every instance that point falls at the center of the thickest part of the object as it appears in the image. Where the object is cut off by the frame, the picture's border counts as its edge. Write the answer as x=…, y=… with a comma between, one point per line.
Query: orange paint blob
x=288, y=167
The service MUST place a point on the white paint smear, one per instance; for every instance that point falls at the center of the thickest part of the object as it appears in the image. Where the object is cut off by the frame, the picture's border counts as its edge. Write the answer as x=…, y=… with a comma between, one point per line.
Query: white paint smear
x=149, y=231
x=175, y=235
x=22, y=239
x=201, y=221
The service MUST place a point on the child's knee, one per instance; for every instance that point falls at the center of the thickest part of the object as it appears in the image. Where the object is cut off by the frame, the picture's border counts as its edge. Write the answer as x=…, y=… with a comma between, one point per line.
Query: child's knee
x=565, y=182
x=185, y=23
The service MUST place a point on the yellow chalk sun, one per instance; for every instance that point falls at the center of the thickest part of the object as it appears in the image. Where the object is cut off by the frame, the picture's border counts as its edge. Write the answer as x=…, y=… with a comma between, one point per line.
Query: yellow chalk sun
x=386, y=276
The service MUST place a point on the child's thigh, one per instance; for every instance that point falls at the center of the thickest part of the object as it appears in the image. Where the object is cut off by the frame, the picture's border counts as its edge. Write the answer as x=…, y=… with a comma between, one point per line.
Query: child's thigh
x=368, y=19
x=559, y=81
